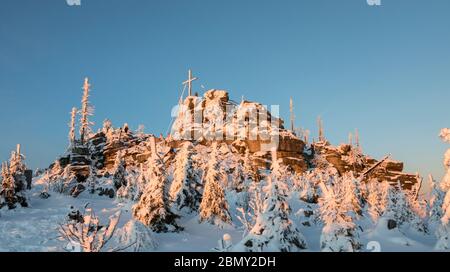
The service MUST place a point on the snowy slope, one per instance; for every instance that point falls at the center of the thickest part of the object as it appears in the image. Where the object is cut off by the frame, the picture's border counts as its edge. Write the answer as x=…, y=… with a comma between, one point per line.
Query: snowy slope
x=36, y=228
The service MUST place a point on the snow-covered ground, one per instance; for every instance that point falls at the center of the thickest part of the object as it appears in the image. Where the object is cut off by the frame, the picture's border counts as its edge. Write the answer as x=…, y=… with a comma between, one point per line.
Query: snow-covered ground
x=36, y=228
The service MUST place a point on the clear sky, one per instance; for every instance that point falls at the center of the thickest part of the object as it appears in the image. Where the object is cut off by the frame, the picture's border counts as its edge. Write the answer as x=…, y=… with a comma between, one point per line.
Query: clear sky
x=384, y=70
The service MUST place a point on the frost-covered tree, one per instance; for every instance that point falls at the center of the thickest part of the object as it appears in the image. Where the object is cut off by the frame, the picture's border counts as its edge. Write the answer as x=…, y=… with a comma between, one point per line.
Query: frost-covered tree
x=443, y=232
x=14, y=182
x=184, y=191
x=108, y=131
x=355, y=157
x=140, y=132
x=280, y=170
x=352, y=198
x=249, y=169
x=435, y=202
x=135, y=237
x=153, y=207
x=214, y=207
x=16, y=162
x=243, y=177
x=86, y=111
x=255, y=207
x=307, y=189
x=7, y=191
x=88, y=233
x=73, y=115
x=273, y=231
x=339, y=233
x=60, y=179
x=119, y=176
x=445, y=183
x=238, y=182
x=107, y=126
x=135, y=183
x=374, y=200
x=417, y=208
x=398, y=207
x=384, y=188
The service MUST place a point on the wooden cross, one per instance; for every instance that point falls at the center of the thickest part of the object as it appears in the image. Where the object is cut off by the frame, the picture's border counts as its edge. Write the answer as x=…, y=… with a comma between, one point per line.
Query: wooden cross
x=189, y=82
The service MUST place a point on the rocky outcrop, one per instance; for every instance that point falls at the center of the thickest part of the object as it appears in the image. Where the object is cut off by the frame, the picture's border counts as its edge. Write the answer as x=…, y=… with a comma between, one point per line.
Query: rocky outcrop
x=345, y=158
x=242, y=126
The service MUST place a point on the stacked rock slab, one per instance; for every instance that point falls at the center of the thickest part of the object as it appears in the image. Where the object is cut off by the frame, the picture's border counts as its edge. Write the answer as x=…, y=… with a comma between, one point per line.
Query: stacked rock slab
x=290, y=149
x=241, y=126
x=389, y=170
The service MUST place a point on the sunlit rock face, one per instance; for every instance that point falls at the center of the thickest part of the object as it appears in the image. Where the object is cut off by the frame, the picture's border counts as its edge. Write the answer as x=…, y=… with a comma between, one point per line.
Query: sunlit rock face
x=245, y=125
x=345, y=158
x=241, y=126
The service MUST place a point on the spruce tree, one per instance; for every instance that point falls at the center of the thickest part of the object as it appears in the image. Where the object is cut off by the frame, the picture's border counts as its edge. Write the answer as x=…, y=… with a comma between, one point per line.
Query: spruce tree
x=184, y=191
x=435, y=203
x=119, y=176
x=374, y=200
x=7, y=191
x=273, y=230
x=153, y=208
x=443, y=233
x=214, y=207
x=339, y=233
x=352, y=195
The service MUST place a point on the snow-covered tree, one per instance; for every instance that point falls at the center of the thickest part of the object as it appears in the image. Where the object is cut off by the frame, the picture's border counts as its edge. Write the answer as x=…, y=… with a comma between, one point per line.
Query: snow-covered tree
x=273, y=231
x=307, y=189
x=242, y=177
x=119, y=176
x=374, y=200
x=86, y=111
x=153, y=208
x=384, y=188
x=249, y=169
x=107, y=126
x=417, y=207
x=339, y=233
x=73, y=115
x=443, y=232
x=135, y=237
x=184, y=191
x=108, y=130
x=14, y=182
x=140, y=132
x=280, y=170
x=355, y=157
x=445, y=183
x=238, y=177
x=89, y=234
x=352, y=197
x=255, y=207
x=435, y=202
x=7, y=191
x=398, y=207
x=16, y=164
x=214, y=207
x=135, y=183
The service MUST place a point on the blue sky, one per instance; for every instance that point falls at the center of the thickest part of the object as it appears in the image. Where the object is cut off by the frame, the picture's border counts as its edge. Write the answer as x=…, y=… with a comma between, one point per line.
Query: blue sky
x=384, y=70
